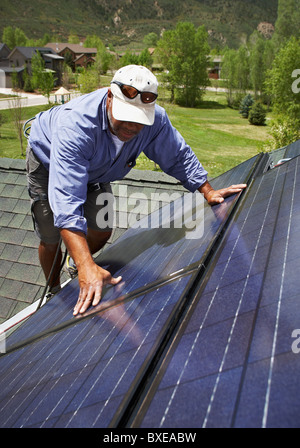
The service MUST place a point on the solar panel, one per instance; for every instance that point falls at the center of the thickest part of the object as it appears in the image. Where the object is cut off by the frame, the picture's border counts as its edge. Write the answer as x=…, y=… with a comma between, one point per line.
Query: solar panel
x=232, y=362
x=62, y=371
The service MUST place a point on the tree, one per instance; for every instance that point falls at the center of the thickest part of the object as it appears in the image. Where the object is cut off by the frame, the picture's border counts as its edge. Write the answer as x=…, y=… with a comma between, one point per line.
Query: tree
x=2, y=120
x=257, y=114
x=8, y=37
x=288, y=19
x=16, y=109
x=246, y=105
x=235, y=71
x=13, y=37
x=280, y=81
x=184, y=54
x=150, y=40
x=129, y=58
x=93, y=41
x=145, y=58
x=228, y=74
x=42, y=79
x=89, y=80
x=73, y=39
x=27, y=80
x=282, y=84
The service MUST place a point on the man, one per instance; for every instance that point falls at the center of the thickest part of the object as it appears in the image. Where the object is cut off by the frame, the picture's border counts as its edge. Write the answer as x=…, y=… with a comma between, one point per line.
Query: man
x=75, y=150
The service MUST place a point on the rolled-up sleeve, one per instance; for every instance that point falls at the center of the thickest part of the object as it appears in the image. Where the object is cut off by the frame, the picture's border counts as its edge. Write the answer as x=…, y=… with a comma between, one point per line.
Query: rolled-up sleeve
x=174, y=156
x=68, y=178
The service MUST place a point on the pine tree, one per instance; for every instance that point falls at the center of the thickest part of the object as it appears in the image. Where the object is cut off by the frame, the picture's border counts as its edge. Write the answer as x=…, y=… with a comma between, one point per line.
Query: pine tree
x=246, y=105
x=257, y=114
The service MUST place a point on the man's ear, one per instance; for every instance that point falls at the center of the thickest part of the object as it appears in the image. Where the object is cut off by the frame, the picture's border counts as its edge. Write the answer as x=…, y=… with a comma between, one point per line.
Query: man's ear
x=109, y=93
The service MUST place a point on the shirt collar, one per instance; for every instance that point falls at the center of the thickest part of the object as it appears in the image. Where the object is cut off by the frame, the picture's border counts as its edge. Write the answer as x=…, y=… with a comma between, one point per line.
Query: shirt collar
x=104, y=114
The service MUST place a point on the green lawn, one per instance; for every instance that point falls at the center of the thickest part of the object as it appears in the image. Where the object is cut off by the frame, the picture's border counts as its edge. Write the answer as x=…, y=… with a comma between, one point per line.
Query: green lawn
x=218, y=135
x=220, y=138
x=9, y=143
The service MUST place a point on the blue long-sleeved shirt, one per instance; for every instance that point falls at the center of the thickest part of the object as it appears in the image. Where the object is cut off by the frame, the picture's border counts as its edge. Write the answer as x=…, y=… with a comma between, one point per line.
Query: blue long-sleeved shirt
x=74, y=143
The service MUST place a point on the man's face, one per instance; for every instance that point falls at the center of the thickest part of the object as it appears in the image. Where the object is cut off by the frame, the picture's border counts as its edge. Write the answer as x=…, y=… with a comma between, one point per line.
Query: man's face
x=124, y=130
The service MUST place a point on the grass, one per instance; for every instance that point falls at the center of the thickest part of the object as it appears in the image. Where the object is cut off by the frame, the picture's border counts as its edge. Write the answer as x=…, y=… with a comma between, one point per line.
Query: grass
x=218, y=135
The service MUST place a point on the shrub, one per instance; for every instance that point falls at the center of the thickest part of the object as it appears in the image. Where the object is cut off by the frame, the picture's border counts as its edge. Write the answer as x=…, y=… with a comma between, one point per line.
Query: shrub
x=257, y=114
x=245, y=105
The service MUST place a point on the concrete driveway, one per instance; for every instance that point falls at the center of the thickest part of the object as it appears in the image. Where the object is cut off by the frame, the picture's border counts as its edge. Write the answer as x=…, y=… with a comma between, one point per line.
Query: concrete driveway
x=28, y=99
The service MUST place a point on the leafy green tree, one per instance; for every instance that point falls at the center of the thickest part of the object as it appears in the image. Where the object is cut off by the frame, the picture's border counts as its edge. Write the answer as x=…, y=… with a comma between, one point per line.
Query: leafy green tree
x=8, y=37
x=93, y=41
x=280, y=80
x=228, y=74
x=103, y=61
x=282, y=84
x=13, y=37
x=235, y=72
x=145, y=58
x=184, y=54
x=69, y=59
x=20, y=37
x=27, y=81
x=288, y=20
x=150, y=40
x=42, y=79
x=89, y=80
x=73, y=39
x=129, y=58
x=257, y=65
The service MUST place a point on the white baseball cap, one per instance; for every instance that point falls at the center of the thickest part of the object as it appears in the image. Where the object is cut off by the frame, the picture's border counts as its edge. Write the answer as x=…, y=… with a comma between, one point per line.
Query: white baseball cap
x=138, y=103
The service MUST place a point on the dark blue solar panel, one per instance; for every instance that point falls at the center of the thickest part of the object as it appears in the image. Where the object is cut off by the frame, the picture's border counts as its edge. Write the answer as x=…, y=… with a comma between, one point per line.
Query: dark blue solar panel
x=293, y=150
x=234, y=365
x=78, y=376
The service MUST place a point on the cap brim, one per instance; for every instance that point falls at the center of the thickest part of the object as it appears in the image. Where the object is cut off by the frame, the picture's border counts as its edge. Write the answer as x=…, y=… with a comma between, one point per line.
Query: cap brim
x=124, y=111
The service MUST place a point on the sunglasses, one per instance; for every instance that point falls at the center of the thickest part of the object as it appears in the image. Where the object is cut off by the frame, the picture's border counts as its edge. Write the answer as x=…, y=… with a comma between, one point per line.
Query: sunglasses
x=131, y=93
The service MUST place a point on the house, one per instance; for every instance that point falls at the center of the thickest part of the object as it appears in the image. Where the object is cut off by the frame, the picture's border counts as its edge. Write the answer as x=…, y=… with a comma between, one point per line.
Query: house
x=4, y=52
x=20, y=57
x=214, y=70
x=77, y=53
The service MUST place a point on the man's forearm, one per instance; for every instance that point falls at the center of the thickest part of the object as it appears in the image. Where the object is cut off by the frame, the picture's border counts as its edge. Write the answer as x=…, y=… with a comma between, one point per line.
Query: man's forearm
x=205, y=189
x=77, y=246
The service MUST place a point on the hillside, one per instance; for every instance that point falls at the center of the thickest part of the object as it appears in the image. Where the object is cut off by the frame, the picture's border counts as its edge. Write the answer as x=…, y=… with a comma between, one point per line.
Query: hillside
x=122, y=21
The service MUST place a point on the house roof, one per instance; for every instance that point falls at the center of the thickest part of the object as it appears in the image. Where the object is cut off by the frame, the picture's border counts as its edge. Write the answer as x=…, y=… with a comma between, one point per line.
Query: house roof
x=28, y=52
x=4, y=50
x=75, y=48
x=202, y=332
x=11, y=69
x=21, y=279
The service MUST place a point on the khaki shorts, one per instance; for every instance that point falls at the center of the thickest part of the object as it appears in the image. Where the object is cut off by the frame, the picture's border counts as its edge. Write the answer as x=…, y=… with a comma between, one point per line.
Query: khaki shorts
x=37, y=177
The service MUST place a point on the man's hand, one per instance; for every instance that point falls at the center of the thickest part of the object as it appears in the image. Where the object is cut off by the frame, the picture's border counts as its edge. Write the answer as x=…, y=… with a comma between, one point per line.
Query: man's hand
x=214, y=197
x=91, y=279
